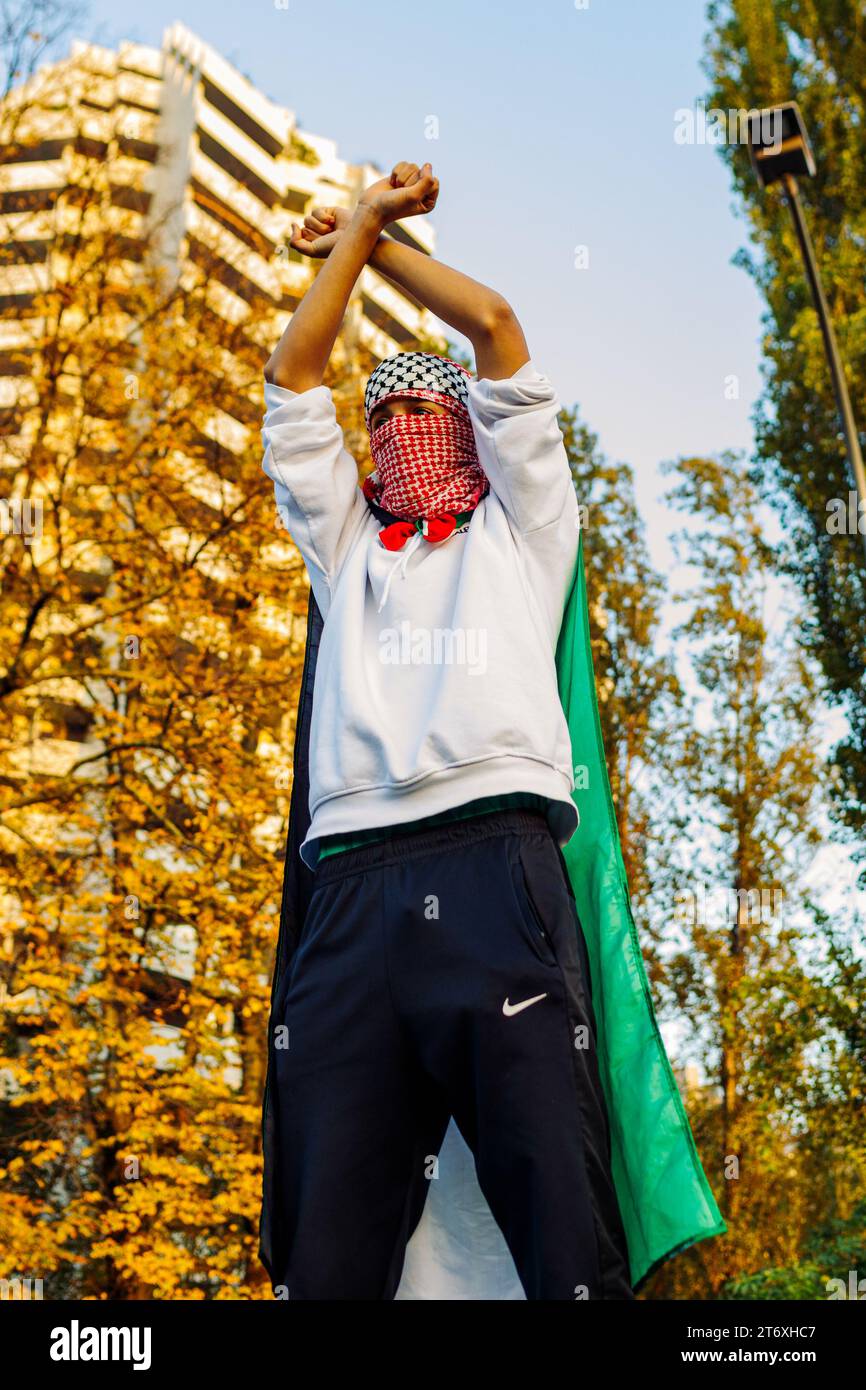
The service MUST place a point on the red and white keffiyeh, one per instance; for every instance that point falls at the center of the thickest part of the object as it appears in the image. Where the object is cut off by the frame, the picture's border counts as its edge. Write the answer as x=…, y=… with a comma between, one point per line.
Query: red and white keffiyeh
x=426, y=466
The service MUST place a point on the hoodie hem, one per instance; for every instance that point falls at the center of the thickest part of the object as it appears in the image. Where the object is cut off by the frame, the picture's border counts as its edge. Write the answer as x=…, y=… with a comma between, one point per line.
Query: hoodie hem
x=373, y=808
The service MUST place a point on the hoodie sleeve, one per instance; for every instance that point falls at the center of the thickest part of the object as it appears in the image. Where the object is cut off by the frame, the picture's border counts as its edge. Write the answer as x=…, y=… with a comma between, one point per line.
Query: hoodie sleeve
x=315, y=477
x=521, y=450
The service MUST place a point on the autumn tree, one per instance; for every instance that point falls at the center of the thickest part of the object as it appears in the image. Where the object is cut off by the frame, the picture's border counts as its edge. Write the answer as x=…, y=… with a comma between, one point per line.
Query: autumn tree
x=744, y=977
x=151, y=638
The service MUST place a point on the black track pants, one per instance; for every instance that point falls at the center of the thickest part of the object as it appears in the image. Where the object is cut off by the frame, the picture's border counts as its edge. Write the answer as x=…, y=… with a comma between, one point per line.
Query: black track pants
x=444, y=973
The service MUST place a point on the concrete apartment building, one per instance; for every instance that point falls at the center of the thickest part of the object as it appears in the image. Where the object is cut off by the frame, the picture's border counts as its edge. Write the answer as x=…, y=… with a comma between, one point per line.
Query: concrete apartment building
x=214, y=163
x=220, y=171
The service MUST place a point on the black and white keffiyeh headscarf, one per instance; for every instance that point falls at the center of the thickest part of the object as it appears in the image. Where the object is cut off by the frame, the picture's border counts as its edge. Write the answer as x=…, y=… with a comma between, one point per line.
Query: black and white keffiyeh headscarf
x=416, y=373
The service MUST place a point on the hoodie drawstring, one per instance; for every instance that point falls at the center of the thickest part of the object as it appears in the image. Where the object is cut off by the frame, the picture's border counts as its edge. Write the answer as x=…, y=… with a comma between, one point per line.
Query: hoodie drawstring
x=399, y=564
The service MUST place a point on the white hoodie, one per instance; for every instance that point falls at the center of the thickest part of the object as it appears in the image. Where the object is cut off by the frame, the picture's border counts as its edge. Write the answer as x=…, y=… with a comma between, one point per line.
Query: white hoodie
x=436, y=678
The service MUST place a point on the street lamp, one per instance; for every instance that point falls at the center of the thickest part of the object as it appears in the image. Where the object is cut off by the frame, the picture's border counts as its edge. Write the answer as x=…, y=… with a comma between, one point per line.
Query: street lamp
x=779, y=150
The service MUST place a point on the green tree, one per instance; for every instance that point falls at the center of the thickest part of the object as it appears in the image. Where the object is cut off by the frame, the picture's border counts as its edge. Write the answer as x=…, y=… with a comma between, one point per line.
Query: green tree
x=833, y=1252
x=759, y=53
x=752, y=795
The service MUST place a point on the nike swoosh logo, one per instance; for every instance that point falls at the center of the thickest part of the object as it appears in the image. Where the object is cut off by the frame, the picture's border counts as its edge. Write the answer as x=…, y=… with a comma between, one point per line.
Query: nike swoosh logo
x=510, y=1009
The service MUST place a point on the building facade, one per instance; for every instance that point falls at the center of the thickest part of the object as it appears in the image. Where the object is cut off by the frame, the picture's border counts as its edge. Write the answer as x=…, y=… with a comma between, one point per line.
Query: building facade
x=210, y=173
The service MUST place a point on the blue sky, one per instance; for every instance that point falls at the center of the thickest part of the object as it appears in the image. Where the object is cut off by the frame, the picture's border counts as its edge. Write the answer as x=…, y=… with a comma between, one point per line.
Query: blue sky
x=556, y=130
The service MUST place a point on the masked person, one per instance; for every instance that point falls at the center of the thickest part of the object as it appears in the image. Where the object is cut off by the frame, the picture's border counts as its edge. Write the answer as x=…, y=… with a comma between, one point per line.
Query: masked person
x=433, y=978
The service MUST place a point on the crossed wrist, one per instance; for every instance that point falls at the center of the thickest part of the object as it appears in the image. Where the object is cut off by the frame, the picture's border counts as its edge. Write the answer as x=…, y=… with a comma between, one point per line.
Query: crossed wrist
x=367, y=215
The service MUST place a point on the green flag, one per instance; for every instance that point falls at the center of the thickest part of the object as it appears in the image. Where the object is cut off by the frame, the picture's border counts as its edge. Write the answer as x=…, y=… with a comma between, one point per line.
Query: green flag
x=664, y=1197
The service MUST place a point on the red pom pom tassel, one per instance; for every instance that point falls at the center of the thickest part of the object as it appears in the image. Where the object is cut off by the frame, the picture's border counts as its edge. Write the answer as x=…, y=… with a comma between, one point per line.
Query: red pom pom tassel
x=395, y=536
x=439, y=528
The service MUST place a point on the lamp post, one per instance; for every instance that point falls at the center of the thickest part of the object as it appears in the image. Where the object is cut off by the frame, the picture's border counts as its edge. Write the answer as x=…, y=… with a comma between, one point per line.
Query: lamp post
x=779, y=150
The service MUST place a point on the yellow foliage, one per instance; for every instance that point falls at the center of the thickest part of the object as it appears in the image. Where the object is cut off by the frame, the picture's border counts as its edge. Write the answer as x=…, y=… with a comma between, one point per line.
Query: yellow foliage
x=146, y=638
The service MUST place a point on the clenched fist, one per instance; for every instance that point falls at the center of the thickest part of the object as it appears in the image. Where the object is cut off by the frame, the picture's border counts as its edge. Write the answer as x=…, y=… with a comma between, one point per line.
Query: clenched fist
x=320, y=231
x=407, y=192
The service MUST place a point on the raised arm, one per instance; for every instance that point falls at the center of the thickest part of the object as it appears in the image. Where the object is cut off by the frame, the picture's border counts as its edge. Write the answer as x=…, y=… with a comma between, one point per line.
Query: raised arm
x=299, y=360
x=481, y=314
